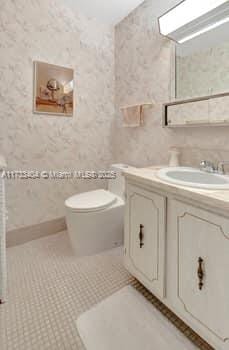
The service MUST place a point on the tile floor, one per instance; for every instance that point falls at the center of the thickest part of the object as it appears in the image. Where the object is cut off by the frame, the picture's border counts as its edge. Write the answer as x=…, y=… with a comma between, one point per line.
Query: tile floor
x=48, y=288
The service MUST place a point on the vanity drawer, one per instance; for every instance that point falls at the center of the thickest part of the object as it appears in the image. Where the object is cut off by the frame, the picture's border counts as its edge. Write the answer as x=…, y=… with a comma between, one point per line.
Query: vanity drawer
x=200, y=257
x=145, y=238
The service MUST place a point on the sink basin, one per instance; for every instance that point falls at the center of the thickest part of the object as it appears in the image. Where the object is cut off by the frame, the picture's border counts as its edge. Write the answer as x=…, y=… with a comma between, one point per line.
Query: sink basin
x=192, y=177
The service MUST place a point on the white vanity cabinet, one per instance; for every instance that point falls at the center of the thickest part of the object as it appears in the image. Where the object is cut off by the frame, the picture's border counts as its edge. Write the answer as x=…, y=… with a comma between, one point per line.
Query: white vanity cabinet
x=145, y=238
x=180, y=252
x=199, y=256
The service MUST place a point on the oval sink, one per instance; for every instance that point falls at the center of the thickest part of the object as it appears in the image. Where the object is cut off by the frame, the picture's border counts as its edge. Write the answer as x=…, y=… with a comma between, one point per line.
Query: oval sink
x=192, y=177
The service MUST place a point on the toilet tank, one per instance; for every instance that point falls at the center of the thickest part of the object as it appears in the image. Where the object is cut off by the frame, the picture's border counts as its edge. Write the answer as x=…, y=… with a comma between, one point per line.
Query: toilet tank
x=117, y=185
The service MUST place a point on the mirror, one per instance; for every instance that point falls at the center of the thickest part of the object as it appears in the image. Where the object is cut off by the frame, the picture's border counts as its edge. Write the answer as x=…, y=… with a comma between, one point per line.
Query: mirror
x=202, y=65
x=201, y=88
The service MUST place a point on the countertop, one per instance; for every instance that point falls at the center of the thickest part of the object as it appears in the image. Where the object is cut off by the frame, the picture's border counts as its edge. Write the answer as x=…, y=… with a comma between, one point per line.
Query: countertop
x=217, y=199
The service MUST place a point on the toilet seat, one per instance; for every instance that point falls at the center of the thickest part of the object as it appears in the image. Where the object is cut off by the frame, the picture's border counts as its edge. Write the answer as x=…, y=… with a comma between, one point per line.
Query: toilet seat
x=91, y=201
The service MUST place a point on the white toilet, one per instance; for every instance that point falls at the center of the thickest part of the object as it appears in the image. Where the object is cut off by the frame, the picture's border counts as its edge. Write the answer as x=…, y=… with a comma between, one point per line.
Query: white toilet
x=95, y=219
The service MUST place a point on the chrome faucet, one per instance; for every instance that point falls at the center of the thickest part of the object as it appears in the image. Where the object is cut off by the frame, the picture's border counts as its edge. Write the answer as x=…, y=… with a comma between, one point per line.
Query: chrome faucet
x=209, y=167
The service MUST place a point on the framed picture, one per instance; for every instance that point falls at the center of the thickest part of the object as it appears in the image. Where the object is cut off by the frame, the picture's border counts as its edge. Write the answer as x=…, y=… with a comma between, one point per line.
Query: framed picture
x=53, y=89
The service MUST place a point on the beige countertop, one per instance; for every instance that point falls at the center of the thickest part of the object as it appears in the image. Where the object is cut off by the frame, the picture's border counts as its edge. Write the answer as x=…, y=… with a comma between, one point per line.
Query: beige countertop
x=218, y=199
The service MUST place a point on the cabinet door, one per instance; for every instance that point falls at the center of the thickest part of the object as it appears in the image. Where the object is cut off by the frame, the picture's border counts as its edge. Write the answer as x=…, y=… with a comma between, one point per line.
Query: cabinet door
x=201, y=258
x=145, y=237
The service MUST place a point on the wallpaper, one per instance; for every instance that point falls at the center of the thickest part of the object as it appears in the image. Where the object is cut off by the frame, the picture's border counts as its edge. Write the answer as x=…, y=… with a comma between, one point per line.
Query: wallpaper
x=134, y=67
x=49, y=31
x=144, y=71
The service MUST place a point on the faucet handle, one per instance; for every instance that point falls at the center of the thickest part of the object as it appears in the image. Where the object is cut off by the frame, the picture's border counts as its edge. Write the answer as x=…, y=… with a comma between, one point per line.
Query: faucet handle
x=203, y=163
x=220, y=167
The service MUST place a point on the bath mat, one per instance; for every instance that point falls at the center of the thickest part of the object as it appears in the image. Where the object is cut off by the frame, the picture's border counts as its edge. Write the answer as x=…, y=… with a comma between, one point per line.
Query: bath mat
x=127, y=321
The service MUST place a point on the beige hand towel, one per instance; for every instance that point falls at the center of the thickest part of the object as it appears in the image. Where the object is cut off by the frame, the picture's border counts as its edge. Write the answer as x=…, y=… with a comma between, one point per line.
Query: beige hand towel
x=132, y=116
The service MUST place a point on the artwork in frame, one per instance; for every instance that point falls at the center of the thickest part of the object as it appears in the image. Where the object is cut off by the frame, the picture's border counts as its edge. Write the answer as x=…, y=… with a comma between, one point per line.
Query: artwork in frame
x=53, y=89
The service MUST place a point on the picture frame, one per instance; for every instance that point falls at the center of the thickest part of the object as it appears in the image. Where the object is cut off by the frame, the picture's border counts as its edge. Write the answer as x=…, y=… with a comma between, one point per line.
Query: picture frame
x=53, y=89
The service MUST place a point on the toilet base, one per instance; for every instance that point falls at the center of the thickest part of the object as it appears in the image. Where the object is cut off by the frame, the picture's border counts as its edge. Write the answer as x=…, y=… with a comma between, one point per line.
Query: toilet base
x=93, y=232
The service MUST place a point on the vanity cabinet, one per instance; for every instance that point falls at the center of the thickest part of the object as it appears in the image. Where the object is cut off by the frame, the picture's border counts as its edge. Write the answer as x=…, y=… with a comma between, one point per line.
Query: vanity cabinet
x=201, y=256
x=145, y=238
x=180, y=252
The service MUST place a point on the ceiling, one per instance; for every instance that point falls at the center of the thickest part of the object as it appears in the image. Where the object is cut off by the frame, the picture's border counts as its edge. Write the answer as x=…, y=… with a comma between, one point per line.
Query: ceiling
x=109, y=12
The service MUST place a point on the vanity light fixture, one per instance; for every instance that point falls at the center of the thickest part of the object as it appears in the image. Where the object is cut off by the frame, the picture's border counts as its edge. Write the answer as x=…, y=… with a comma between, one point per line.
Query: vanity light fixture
x=192, y=18
x=204, y=30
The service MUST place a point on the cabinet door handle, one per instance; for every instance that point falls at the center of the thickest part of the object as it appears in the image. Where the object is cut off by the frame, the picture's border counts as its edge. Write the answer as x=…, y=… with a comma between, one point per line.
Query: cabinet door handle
x=141, y=236
x=200, y=273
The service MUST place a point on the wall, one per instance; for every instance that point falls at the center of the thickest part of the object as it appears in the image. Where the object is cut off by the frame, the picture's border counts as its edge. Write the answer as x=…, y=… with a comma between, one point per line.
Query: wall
x=49, y=31
x=143, y=73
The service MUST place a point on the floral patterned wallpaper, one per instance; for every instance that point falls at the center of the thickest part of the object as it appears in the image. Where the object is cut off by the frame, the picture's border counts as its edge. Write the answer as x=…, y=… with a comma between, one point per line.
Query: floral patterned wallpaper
x=144, y=72
x=140, y=69
x=49, y=31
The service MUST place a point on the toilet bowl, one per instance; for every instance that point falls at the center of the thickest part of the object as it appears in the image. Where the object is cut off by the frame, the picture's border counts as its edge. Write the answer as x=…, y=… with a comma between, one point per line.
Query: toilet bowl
x=95, y=219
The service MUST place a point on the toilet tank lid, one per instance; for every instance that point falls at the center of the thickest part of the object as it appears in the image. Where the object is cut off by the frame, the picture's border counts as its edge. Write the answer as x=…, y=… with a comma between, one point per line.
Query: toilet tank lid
x=119, y=166
x=91, y=201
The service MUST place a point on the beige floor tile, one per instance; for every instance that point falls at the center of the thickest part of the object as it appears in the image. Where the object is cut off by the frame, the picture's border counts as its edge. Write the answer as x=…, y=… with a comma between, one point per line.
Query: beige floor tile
x=48, y=288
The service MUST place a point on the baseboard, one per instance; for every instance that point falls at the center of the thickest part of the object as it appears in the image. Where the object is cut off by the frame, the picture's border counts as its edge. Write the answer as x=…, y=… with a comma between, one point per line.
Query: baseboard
x=30, y=233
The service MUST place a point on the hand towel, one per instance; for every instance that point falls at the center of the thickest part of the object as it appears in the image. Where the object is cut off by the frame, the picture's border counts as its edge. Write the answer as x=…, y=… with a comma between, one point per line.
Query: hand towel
x=132, y=116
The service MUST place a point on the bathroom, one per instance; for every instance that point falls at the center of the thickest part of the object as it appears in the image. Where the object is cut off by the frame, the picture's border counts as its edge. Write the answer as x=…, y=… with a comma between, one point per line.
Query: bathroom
x=121, y=63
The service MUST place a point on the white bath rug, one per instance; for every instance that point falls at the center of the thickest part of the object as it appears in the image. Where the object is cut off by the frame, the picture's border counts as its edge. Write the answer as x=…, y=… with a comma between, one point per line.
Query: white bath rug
x=127, y=321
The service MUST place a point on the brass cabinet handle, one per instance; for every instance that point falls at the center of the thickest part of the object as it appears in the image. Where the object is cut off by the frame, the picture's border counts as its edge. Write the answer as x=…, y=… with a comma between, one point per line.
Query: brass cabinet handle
x=141, y=236
x=200, y=273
